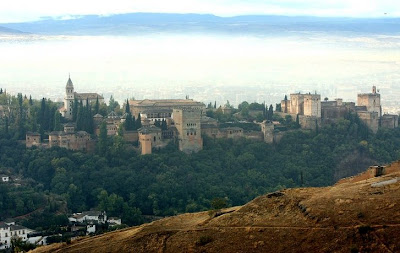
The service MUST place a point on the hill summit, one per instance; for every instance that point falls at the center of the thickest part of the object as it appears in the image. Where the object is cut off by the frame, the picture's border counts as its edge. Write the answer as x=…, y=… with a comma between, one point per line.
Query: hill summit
x=358, y=214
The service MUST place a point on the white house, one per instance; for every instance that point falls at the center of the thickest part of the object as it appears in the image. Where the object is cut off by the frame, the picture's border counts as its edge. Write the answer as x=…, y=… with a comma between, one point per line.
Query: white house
x=9, y=231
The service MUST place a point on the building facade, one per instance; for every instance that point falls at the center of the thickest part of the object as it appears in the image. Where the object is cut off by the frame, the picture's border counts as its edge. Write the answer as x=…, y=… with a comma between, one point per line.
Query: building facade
x=70, y=96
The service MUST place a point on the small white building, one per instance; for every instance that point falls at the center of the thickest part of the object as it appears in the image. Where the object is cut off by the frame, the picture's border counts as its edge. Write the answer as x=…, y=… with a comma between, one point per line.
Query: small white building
x=90, y=229
x=89, y=217
x=113, y=221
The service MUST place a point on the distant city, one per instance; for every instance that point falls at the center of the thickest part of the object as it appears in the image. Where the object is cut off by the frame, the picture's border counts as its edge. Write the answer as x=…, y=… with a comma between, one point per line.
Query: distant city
x=270, y=94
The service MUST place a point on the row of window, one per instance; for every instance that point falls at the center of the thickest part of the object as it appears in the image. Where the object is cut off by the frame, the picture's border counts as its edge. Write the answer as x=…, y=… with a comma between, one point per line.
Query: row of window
x=191, y=133
x=19, y=232
x=191, y=124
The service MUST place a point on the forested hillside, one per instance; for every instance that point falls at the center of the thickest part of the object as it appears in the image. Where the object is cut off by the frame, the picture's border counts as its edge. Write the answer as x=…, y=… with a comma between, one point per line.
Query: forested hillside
x=56, y=181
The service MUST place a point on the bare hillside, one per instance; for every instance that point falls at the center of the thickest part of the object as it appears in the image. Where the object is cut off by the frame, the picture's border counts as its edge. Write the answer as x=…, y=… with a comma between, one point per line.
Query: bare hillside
x=358, y=214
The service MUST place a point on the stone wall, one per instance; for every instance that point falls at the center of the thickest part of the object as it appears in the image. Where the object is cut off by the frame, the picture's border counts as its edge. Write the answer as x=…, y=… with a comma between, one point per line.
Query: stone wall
x=371, y=119
x=389, y=121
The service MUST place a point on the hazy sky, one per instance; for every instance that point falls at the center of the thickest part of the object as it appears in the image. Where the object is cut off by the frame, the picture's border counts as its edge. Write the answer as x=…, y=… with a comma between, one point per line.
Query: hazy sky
x=24, y=10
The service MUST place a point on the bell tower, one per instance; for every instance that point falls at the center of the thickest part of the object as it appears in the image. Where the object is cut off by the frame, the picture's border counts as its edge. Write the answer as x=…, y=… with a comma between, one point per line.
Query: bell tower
x=69, y=99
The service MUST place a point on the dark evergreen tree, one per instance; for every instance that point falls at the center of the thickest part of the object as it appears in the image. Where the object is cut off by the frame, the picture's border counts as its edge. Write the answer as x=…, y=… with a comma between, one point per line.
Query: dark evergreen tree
x=1, y=91
x=97, y=106
x=138, y=122
x=103, y=141
x=30, y=101
x=42, y=111
x=129, y=122
x=215, y=105
x=57, y=121
x=75, y=108
x=20, y=119
x=127, y=109
x=46, y=118
x=52, y=113
x=90, y=121
x=80, y=117
x=297, y=121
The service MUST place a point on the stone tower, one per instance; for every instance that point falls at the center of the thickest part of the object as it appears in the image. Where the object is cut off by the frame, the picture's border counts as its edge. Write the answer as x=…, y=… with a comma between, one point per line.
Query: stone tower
x=145, y=142
x=69, y=99
x=267, y=129
x=187, y=122
x=312, y=105
x=372, y=101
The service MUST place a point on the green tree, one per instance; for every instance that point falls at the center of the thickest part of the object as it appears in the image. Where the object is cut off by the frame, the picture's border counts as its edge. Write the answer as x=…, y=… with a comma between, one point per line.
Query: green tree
x=138, y=123
x=75, y=109
x=97, y=106
x=127, y=109
x=57, y=121
x=270, y=112
x=103, y=139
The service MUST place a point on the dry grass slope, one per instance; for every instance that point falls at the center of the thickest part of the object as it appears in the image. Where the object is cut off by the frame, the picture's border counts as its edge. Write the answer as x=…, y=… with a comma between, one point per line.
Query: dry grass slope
x=351, y=216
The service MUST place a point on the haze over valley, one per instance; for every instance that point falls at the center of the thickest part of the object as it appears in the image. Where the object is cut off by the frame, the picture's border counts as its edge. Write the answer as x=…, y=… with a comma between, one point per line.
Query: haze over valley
x=255, y=58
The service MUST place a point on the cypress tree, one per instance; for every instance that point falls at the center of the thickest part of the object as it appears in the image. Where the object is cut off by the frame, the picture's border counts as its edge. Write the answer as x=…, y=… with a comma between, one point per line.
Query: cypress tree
x=1, y=91
x=30, y=100
x=80, y=117
x=42, y=111
x=127, y=109
x=75, y=108
x=90, y=121
x=52, y=114
x=133, y=122
x=46, y=118
x=57, y=123
x=97, y=106
x=215, y=105
x=138, y=122
x=271, y=112
x=102, y=143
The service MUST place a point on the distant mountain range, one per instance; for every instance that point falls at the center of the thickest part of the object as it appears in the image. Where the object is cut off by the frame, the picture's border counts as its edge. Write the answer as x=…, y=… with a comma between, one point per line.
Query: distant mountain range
x=139, y=23
x=5, y=30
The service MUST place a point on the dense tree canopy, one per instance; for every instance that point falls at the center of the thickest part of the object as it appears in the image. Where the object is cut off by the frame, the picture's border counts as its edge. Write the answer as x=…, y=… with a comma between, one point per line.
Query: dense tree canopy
x=168, y=182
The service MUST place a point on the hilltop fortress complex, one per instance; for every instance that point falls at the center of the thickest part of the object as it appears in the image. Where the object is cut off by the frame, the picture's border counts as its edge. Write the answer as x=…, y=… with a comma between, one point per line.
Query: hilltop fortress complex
x=313, y=112
x=186, y=121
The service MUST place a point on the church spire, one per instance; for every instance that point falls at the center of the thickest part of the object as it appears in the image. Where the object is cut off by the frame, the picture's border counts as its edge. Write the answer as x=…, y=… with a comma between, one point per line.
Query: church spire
x=70, y=85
